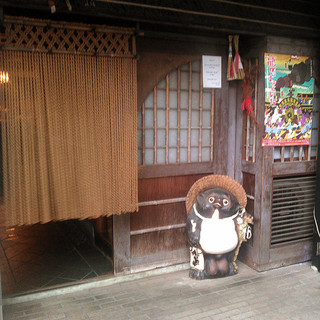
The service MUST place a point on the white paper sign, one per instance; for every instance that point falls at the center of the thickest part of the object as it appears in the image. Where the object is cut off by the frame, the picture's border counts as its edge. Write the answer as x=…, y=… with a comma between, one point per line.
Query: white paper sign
x=211, y=71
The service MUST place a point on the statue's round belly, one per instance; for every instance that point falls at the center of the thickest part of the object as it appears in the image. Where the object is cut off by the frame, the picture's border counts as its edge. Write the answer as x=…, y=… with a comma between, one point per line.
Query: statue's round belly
x=218, y=236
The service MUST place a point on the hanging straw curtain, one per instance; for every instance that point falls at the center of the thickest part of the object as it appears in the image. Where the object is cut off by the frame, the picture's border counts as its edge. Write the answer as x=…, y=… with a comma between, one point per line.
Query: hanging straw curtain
x=69, y=136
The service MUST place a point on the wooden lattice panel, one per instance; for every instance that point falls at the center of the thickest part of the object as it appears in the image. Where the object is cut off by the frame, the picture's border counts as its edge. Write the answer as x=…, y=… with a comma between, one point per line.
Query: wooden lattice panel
x=292, y=209
x=63, y=38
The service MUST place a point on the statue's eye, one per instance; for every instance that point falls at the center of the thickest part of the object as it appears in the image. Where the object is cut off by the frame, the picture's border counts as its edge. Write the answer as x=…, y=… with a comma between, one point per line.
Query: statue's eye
x=225, y=202
x=211, y=199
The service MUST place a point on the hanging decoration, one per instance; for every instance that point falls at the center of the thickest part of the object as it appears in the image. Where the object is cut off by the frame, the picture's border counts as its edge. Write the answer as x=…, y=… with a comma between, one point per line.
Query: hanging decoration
x=237, y=60
x=235, y=68
x=231, y=69
x=52, y=6
x=250, y=74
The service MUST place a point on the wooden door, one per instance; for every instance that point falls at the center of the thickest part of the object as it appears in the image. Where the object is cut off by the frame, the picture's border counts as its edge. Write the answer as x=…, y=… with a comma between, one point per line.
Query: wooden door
x=175, y=128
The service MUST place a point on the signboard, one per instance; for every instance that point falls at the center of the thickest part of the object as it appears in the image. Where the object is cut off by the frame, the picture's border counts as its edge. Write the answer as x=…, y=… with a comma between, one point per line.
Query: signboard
x=211, y=71
x=288, y=100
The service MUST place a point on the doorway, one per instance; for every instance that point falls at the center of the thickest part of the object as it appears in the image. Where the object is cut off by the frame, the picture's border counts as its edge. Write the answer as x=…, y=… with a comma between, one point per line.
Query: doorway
x=55, y=254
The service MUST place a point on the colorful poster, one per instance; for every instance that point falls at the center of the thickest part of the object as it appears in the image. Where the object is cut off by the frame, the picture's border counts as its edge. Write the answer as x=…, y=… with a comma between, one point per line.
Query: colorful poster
x=288, y=100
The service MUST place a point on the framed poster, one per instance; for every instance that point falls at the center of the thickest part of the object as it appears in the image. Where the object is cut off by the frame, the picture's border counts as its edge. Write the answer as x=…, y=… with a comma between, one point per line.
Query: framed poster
x=288, y=100
x=211, y=71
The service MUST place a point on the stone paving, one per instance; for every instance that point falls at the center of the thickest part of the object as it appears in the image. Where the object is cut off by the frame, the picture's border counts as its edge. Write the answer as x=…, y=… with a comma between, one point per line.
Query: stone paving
x=288, y=293
x=44, y=255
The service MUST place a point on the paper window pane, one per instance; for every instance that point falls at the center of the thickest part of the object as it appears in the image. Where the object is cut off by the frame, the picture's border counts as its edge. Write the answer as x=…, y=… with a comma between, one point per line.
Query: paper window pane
x=206, y=136
x=173, y=118
x=205, y=154
x=184, y=76
x=276, y=153
x=139, y=157
x=148, y=138
x=195, y=100
x=161, y=84
x=184, y=118
x=148, y=156
x=194, y=137
x=183, y=138
x=194, y=156
x=161, y=118
x=173, y=80
x=183, y=155
x=173, y=100
x=206, y=100
x=196, y=81
x=161, y=138
x=140, y=138
x=148, y=118
x=161, y=99
x=184, y=100
x=195, y=118
x=148, y=103
x=161, y=156
x=173, y=137
x=172, y=155
x=206, y=118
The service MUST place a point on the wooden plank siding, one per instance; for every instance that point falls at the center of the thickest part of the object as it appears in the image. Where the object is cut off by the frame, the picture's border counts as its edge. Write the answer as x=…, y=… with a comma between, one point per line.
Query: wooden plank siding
x=157, y=231
x=258, y=177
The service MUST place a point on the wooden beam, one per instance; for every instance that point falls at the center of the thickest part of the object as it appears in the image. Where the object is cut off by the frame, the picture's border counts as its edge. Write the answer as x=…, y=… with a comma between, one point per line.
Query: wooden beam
x=121, y=244
x=197, y=12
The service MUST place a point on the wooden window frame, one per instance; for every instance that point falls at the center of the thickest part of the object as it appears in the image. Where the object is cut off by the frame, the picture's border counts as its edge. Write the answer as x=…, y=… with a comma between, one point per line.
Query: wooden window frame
x=178, y=168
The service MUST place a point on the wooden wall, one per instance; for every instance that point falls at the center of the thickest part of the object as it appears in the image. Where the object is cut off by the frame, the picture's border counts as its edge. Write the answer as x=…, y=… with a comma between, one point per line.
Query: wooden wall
x=258, y=177
x=155, y=235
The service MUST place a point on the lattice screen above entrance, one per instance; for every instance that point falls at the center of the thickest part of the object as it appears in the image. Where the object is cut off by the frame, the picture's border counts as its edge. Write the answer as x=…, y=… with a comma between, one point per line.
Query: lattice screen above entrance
x=52, y=37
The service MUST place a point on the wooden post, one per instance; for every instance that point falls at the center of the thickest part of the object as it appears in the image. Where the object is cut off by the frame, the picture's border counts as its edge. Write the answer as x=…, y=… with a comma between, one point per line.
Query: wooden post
x=1, y=316
x=121, y=244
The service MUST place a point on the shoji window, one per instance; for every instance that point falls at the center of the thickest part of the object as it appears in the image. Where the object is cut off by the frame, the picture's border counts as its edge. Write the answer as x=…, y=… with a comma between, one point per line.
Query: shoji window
x=175, y=122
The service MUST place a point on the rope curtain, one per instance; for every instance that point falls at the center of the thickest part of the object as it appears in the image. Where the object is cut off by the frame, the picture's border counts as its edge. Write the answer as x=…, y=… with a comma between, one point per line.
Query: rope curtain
x=69, y=130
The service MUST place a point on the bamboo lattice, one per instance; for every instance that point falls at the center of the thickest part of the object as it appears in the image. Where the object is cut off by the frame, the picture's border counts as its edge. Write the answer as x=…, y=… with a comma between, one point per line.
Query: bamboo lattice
x=52, y=37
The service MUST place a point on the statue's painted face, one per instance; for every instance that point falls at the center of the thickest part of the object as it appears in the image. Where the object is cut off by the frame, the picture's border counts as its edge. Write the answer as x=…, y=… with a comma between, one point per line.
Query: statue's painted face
x=216, y=198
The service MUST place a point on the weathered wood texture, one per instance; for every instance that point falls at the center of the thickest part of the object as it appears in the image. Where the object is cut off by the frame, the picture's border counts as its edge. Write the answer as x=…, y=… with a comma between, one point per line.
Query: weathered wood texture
x=249, y=186
x=172, y=170
x=157, y=230
x=202, y=17
x=165, y=188
x=232, y=143
x=121, y=244
x=221, y=123
x=294, y=168
x=157, y=233
x=159, y=57
x=158, y=216
x=286, y=255
x=158, y=241
x=260, y=255
x=316, y=235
